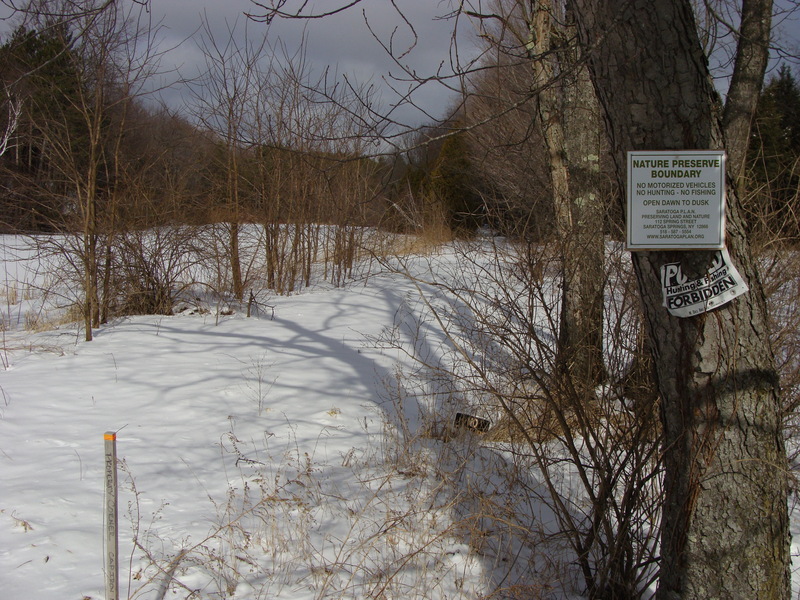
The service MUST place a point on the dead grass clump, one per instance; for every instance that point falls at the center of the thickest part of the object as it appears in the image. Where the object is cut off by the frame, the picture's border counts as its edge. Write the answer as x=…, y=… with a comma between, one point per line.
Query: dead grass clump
x=425, y=243
x=38, y=321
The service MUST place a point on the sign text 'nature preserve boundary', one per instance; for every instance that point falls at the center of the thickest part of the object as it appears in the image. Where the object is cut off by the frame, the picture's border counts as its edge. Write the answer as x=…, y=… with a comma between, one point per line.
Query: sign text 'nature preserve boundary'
x=676, y=200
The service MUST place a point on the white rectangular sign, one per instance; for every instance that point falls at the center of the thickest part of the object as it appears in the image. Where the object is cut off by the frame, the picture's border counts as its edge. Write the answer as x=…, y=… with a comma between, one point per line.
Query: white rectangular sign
x=676, y=200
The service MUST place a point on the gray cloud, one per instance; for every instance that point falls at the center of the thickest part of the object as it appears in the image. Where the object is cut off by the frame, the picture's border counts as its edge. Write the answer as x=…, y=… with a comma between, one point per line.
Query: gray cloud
x=345, y=43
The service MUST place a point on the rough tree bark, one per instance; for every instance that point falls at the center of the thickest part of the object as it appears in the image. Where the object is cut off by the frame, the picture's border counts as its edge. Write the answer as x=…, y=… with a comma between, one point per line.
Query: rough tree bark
x=725, y=523
x=568, y=116
x=583, y=130
x=752, y=55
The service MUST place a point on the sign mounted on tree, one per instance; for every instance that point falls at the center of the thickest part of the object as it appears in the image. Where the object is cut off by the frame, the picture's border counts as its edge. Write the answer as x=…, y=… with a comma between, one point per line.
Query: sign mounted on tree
x=676, y=200
x=685, y=297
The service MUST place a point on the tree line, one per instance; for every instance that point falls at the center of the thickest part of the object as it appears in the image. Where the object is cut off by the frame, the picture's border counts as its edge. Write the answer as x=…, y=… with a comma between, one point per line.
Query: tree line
x=88, y=154
x=72, y=107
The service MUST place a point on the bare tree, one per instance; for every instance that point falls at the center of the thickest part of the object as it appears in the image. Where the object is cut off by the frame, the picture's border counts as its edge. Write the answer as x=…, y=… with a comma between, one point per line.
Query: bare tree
x=724, y=452
x=222, y=98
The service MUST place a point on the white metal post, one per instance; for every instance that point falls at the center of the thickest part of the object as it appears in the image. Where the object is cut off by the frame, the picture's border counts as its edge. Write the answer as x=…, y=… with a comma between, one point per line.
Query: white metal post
x=111, y=541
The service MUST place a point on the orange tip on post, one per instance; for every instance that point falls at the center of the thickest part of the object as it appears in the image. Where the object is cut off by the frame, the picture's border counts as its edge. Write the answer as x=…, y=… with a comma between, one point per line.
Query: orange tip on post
x=109, y=436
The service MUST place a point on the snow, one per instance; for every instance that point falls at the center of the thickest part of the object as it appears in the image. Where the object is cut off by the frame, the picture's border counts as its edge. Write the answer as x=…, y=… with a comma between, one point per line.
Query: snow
x=212, y=413
x=259, y=457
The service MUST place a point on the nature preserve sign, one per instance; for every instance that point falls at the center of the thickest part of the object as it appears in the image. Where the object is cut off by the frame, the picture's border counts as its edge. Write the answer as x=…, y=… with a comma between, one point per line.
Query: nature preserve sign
x=676, y=200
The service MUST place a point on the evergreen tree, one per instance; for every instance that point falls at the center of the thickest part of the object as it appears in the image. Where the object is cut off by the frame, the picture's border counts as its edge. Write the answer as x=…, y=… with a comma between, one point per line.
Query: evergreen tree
x=773, y=157
x=452, y=183
x=38, y=70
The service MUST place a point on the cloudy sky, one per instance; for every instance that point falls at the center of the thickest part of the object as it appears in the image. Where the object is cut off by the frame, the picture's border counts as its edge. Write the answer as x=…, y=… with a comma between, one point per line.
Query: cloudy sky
x=342, y=42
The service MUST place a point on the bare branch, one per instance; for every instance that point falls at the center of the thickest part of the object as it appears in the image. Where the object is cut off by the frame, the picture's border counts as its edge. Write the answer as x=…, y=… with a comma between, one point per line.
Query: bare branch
x=275, y=9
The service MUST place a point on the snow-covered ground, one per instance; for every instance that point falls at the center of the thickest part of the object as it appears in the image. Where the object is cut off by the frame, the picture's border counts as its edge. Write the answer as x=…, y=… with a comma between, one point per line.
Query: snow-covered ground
x=261, y=457
x=258, y=458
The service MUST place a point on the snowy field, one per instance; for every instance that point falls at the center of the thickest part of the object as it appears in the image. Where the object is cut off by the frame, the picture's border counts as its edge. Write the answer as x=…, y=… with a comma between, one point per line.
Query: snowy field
x=253, y=454
x=261, y=457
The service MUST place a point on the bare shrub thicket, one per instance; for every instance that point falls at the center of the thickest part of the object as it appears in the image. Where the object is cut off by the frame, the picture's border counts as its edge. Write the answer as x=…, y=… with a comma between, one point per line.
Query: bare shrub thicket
x=589, y=465
x=143, y=272
x=151, y=270
x=779, y=263
x=289, y=157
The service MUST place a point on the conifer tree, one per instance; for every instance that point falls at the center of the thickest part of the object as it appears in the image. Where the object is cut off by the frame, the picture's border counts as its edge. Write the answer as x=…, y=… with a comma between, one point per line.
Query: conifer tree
x=774, y=153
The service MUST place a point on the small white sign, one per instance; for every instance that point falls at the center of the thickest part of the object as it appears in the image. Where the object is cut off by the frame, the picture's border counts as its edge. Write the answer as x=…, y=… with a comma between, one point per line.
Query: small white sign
x=676, y=200
x=686, y=298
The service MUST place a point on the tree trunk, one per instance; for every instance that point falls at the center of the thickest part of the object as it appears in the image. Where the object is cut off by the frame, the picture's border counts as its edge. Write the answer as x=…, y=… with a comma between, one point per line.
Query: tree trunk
x=567, y=114
x=236, y=261
x=585, y=261
x=752, y=54
x=90, y=275
x=725, y=523
x=233, y=203
x=89, y=271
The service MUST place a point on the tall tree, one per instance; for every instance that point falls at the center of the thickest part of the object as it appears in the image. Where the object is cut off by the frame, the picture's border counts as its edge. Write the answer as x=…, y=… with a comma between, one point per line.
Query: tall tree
x=542, y=33
x=569, y=118
x=725, y=532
